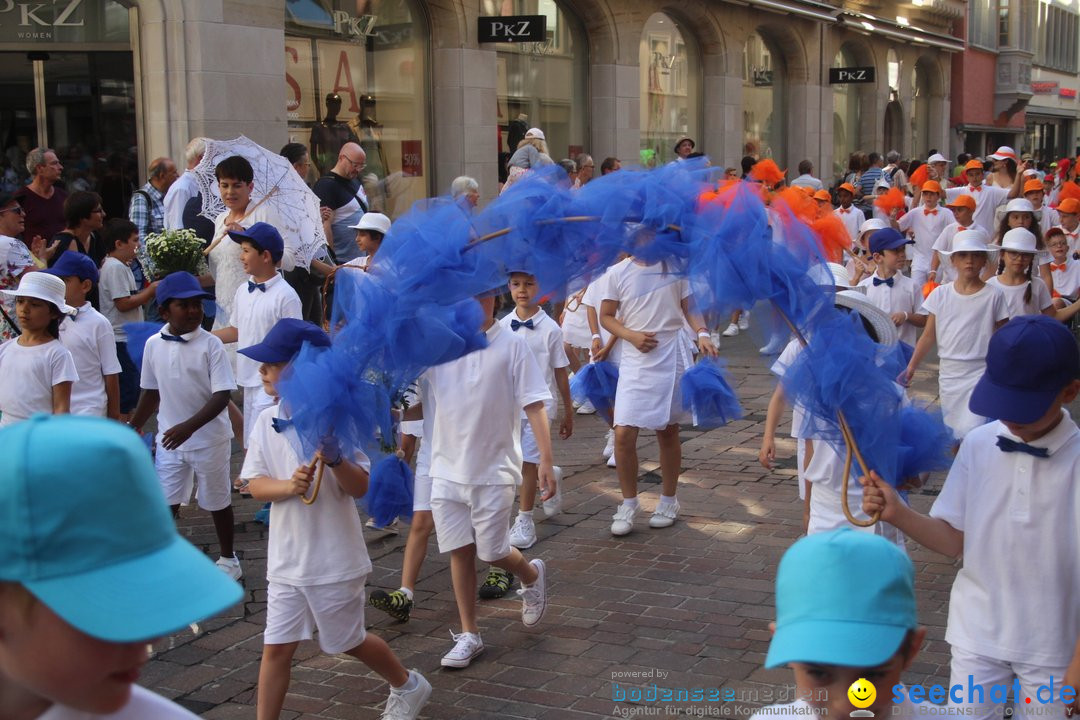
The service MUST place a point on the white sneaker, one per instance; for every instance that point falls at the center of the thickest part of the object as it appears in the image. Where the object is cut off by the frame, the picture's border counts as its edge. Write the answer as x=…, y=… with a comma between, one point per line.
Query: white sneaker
x=744, y=321
x=407, y=705
x=553, y=505
x=611, y=460
x=467, y=646
x=664, y=515
x=231, y=567
x=534, y=597
x=732, y=330
x=623, y=520
x=775, y=345
x=392, y=529
x=523, y=534
x=586, y=408
x=609, y=444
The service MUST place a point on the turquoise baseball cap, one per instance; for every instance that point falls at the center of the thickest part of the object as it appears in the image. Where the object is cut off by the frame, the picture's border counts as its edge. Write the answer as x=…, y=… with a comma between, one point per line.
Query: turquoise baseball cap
x=842, y=598
x=85, y=528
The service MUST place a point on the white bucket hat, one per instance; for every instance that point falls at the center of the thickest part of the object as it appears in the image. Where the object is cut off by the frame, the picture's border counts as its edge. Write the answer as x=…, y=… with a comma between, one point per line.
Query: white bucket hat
x=882, y=183
x=1004, y=153
x=831, y=275
x=936, y=157
x=373, y=221
x=872, y=224
x=883, y=325
x=42, y=286
x=1019, y=240
x=535, y=133
x=1020, y=205
x=973, y=240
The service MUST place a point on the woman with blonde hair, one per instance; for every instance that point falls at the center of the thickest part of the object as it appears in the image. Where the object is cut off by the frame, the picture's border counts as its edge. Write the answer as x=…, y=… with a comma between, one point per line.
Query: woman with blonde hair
x=532, y=152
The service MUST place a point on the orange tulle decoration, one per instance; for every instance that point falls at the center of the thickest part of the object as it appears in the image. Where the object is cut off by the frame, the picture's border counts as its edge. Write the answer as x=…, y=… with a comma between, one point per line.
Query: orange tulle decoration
x=798, y=202
x=1068, y=190
x=722, y=195
x=929, y=288
x=767, y=172
x=921, y=175
x=891, y=201
x=833, y=235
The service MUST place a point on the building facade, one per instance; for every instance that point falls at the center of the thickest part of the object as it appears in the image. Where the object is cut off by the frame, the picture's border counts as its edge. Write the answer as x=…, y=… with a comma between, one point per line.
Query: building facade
x=115, y=83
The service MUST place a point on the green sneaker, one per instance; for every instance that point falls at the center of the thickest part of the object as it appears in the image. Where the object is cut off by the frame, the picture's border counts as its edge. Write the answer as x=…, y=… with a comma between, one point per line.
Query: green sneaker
x=396, y=604
x=497, y=583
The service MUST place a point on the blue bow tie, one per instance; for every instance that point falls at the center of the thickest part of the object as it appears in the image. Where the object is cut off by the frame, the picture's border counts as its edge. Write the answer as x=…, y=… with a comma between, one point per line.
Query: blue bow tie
x=879, y=281
x=281, y=424
x=1008, y=446
x=515, y=324
x=253, y=286
x=172, y=338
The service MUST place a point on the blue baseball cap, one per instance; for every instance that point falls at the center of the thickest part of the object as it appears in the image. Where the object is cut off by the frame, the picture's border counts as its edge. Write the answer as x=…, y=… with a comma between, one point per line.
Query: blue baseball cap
x=285, y=340
x=842, y=598
x=888, y=239
x=99, y=548
x=75, y=264
x=1028, y=362
x=179, y=286
x=264, y=236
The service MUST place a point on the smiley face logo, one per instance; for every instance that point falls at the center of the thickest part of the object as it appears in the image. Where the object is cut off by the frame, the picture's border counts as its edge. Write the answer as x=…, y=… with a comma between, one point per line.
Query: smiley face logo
x=862, y=693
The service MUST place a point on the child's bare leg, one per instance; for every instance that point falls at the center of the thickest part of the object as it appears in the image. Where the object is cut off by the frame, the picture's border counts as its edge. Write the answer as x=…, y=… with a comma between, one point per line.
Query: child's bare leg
x=236, y=418
x=416, y=547
x=516, y=564
x=626, y=459
x=224, y=527
x=670, y=458
x=572, y=356
x=463, y=577
x=530, y=477
x=274, y=672
x=377, y=655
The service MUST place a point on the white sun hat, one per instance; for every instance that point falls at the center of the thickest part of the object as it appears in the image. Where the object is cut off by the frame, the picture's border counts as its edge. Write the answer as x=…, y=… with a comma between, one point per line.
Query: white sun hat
x=535, y=133
x=973, y=240
x=872, y=224
x=884, y=327
x=1004, y=153
x=831, y=275
x=1020, y=205
x=42, y=286
x=1019, y=240
x=936, y=157
x=373, y=221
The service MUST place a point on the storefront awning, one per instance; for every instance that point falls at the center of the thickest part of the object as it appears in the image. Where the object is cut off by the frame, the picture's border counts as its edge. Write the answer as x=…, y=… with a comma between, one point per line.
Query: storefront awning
x=872, y=25
x=1051, y=112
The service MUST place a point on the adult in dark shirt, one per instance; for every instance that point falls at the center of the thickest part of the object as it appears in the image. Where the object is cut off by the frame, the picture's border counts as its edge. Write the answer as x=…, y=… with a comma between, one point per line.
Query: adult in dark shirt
x=83, y=219
x=42, y=200
x=342, y=194
x=329, y=135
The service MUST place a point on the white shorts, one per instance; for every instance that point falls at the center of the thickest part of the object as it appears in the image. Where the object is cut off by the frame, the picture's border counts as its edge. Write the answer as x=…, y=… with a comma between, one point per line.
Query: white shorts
x=293, y=613
x=530, y=452
x=255, y=401
x=971, y=668
x=422, y=478
x=467, y=514
x=205, y=470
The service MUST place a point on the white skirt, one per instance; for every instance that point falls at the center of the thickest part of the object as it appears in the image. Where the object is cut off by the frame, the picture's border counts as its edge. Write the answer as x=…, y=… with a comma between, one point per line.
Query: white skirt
x=648, y=394
x=827, y=513
x=956, y=382
x=575, y=328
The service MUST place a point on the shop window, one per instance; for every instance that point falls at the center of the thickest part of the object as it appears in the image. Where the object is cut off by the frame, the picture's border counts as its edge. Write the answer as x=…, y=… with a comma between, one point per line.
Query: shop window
x=373, y=56
x=847, y=114
x=763, y=98
x=670, y=88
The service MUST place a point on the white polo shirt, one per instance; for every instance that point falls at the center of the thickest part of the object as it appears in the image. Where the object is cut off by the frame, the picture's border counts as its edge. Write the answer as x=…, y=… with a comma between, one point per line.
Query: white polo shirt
x=117, y=281
x=965, y=323
x=89, y=338
x=478, y=403
x=1015, y=598
x=186, y=374
x=987, y=200
x=29, y=374
x=903, y=297
x=943, y=244
x=1014, y=296
x=254, y=313
x=1067, y=281
x=925, y=226
x=309, y=544
x=545, y=340
x=853, y=218
x=1048, y=218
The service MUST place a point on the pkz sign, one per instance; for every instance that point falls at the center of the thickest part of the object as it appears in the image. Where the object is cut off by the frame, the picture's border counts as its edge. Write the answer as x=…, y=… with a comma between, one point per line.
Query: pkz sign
x=838, y=76
x=512, y=28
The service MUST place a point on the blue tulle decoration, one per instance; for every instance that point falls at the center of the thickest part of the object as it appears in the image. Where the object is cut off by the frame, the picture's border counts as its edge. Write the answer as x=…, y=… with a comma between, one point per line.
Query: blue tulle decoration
x=707, y=393
x=390, y=491
x=925, y=442
x=137, y=335
x=596, y=382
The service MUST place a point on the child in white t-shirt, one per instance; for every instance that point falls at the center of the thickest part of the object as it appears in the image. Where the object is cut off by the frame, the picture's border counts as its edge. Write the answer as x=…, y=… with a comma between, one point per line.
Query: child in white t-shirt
x=265, y=299
x=653, y=306
x=1066, y=271
x=88, y=336
x=961, y=317
x=1008, y=509
x=941, y=270
x=1024, y=294
x=317, y=561
x=36, y=370
x=924, y=224
x=897, y=295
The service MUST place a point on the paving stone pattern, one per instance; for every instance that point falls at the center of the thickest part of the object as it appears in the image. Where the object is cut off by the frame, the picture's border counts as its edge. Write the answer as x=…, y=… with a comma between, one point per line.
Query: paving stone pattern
x=692, y=601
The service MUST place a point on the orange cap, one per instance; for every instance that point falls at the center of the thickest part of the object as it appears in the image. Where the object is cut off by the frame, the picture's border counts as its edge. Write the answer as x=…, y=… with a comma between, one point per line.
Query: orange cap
x=974, y=165
x=1069, y=205
x=847, y=186
x=823, y=195
x=1033, y=186
x=962, y=201
x=931, y=186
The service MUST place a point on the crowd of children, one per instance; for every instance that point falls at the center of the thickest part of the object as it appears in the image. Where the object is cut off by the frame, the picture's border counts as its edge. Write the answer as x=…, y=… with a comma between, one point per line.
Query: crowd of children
x=989, y=281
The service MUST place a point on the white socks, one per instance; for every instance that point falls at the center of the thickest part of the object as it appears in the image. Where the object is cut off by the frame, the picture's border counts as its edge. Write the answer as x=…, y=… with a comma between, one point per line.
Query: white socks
x=407, y=592
x=665, y=500
x=630, y=502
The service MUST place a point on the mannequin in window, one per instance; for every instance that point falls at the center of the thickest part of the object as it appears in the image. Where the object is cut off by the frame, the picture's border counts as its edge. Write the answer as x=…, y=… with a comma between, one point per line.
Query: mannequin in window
x=329, y=135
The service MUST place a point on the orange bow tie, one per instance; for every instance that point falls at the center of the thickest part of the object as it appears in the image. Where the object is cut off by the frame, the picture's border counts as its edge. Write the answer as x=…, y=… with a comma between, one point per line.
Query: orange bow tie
x=960, y=228
x=975, y=189
x=844, y=211
x=1055, y=266
x=929, y=212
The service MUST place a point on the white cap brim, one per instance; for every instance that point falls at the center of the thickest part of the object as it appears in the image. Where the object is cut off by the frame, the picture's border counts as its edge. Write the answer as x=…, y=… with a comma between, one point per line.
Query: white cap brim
x=62, y=306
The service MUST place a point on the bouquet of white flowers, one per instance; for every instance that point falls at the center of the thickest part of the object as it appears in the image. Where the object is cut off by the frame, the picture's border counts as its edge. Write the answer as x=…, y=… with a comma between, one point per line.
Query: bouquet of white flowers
x=171, y=251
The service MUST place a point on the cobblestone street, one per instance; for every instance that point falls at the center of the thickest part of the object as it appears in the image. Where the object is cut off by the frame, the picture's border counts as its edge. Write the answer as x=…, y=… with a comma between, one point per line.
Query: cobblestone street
x=684, y=607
